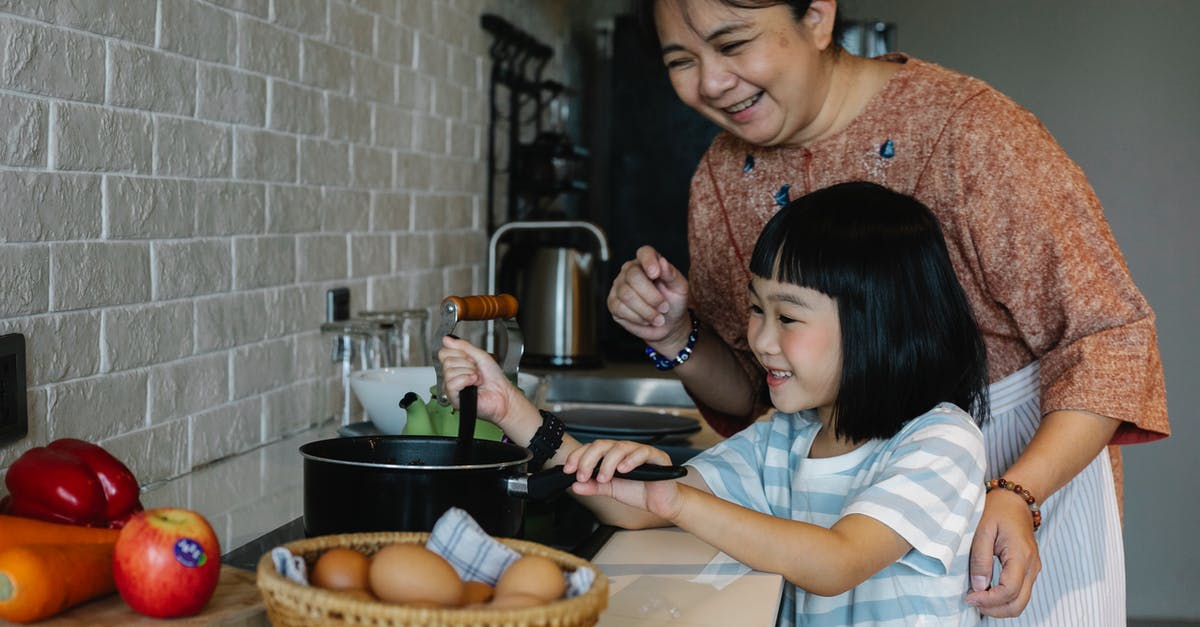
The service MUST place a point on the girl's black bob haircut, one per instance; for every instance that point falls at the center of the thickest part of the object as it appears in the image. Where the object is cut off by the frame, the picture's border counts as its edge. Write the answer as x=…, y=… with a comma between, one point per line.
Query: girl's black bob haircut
x=909, y=339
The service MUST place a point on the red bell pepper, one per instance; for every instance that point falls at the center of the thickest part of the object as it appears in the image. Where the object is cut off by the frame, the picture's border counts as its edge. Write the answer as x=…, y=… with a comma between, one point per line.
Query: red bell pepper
x=71, y=481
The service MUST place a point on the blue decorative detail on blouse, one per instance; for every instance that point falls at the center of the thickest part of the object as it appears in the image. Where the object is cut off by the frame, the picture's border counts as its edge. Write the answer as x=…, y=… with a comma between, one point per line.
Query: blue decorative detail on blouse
x=781, y=196
x=749, y=165
x=887, y=150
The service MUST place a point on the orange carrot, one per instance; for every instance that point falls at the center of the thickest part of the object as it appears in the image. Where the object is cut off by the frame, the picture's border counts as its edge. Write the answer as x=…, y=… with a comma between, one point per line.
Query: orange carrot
x=17, y=531
x=40, y=580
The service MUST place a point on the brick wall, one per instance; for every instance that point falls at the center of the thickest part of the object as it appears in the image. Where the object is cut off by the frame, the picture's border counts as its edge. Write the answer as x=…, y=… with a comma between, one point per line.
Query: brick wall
x=182, y=180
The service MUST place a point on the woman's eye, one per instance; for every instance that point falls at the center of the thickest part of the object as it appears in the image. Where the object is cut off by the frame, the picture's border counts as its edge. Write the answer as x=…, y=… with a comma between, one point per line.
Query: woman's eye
x=731, y=47
x=675, y=64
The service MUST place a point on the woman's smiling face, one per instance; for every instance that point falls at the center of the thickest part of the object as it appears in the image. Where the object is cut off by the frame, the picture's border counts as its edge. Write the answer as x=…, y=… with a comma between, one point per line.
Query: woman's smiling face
x=796, y=335
x=758, y=73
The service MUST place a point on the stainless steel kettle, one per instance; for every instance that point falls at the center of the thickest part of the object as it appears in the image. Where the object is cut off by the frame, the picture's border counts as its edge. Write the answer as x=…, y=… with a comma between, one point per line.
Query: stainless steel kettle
x=557, y=296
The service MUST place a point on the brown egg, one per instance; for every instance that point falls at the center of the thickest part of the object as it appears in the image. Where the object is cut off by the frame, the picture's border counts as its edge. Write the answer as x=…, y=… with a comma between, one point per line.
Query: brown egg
x=476, y=592
x=532, y=575
x=410, y=573
x=360, y=595
x=340, y=569
x=515, y=601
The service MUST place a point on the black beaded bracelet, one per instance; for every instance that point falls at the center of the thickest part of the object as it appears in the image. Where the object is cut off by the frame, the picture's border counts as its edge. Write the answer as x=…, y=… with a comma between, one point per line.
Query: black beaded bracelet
x=662, y=363
x=546, y=440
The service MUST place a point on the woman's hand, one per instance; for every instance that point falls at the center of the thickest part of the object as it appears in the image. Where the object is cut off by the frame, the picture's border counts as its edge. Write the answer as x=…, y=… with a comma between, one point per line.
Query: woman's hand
x=596, y=463
x=1005, y=531
x=464, y=364
x=649, y=298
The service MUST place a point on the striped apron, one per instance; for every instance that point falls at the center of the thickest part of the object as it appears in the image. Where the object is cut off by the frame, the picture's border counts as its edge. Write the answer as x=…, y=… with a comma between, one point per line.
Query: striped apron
x=1082, y=582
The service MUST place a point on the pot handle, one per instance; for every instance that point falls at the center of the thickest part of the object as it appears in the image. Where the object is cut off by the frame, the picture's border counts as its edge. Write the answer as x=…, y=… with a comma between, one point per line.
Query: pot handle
x=551, y=481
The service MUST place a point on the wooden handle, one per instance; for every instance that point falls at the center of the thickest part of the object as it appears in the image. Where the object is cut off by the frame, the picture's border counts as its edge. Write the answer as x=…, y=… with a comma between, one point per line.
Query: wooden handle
x=498, y=307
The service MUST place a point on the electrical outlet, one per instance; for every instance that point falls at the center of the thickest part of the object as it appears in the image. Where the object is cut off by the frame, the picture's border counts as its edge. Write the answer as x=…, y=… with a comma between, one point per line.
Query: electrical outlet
x=14, y=421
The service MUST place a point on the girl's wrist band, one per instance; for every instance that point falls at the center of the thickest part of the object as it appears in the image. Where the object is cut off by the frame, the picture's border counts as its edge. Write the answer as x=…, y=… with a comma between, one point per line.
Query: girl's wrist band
x=662, y=363
x=1005, y=484
x=546, y=440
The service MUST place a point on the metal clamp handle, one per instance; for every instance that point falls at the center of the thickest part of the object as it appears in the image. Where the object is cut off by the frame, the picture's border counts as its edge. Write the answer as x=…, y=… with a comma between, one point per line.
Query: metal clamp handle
x=486, y=307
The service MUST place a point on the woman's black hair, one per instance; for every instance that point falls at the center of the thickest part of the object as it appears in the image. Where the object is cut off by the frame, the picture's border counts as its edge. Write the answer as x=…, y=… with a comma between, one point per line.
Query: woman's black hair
x=645, y=17
x=909, y=339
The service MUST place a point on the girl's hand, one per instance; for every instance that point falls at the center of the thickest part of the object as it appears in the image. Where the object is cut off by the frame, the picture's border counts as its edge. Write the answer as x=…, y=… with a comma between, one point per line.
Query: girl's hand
x=1005, y=531
x=464, y=364
x=605, y=458
x=649, y=298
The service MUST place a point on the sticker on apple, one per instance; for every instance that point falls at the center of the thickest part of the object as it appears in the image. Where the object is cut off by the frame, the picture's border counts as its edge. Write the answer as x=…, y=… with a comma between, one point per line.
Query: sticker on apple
x=189, y=553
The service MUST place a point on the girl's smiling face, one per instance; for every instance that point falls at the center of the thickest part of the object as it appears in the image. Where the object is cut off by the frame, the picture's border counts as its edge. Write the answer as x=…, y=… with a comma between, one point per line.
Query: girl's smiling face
x=795, y=334
x=758, y=73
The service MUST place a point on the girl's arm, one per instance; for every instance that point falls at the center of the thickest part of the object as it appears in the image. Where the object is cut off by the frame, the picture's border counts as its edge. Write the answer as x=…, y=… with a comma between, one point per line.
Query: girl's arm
x=824, y=561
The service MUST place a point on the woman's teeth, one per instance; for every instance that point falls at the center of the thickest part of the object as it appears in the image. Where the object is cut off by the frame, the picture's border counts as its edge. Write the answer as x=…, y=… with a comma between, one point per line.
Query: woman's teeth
x=745, y=104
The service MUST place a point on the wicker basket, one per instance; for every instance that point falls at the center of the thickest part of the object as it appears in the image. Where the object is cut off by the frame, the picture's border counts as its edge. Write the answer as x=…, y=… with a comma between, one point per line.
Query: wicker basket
x=291, y=604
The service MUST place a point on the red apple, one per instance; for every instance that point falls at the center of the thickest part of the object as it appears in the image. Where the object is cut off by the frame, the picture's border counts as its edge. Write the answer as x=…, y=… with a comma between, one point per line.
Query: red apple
x=166, y=562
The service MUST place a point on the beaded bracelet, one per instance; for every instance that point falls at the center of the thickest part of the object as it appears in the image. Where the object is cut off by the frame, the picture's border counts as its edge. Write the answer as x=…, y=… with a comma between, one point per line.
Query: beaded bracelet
x=1005, y=484
x=546, y=440
x=662, y=363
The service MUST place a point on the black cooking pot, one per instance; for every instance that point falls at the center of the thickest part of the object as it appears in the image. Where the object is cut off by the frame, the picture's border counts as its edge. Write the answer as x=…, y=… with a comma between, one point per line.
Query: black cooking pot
x=405, y=483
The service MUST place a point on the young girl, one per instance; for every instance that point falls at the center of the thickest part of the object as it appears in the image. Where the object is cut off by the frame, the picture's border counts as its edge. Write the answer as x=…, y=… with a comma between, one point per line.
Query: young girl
x=865, y=486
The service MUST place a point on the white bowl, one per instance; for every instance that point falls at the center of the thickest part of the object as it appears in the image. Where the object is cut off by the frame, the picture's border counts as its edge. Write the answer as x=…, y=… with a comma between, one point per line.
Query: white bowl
x=379, y=390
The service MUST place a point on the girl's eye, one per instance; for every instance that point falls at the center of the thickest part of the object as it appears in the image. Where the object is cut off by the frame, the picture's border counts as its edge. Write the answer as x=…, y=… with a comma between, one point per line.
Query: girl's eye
x=787, y=320
x=755, y=310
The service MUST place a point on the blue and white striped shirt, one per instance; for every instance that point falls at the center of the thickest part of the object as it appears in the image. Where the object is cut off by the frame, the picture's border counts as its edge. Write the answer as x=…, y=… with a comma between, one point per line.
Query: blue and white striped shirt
x=926, y=483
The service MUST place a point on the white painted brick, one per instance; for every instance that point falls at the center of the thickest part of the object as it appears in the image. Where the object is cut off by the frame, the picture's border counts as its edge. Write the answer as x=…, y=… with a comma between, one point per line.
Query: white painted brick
x=324, y=163
x=49, y=206
x=294, y=209
x=198, y=30
x=290, y=310
x=421, y=288
x=414, y=251
x=296, y=109
x=229, y=320
x=139, y=208
x=458, y=175
x=268, y=49
x=414, y=172
x=265, y=156
x=293, y=409
x=349, y=120
x=194, y=149
x=25, y=279
x=92, y=138
x=49, y=61
x=306, y=16
x=351, y=28
x=175, y=494
x=429, y=213
x=229, y=95
x=226, y=430
x=370, y=254
x=465, y=140
x=374, y=80
x=465, y=70
x=451, y=23
x=321, y=257
x=185, y=387
x=396, y=44
x=127, y=19
x=391, y=211
x=189, y=268
x=257, y=8
x=263, y=261
x=224, y=208
x=23, y=128
x=433, y=56
x=393, y=127
x=144, y=78
x=261, y=367
x=314, y=356
x=448, y=99
x=87, y=275
x=326, y=66
x=346, y=210
x=154, y=454
x=146, y=334
x=372, y=167
x=431, y=134
x=73, y=406
x=58, y=347
x=416, y=14
x=383, y=8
